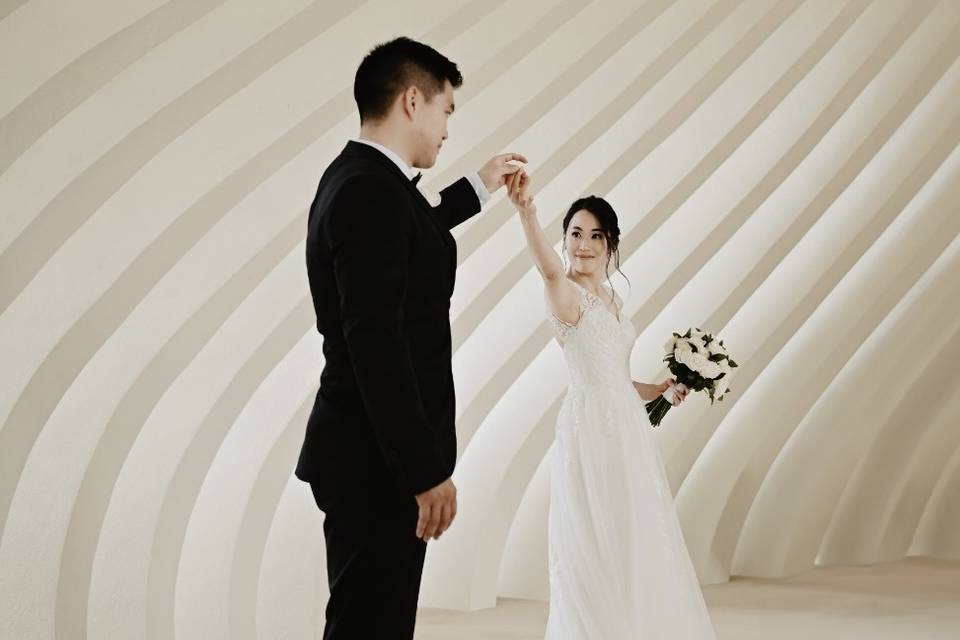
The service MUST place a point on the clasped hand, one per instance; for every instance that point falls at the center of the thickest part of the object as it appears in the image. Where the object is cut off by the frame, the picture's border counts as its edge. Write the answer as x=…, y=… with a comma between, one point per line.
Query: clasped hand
x=498, y=169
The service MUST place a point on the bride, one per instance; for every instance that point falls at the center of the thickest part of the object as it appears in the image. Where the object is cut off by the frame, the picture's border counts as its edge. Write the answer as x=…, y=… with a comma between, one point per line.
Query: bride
x=619, y=566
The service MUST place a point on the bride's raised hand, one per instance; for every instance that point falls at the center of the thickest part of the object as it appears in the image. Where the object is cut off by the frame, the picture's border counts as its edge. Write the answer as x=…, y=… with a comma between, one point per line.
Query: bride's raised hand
x=518, y=188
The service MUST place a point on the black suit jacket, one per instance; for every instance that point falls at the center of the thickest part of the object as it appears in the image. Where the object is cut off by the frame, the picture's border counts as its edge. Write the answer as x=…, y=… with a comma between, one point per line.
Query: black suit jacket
x=381, y=263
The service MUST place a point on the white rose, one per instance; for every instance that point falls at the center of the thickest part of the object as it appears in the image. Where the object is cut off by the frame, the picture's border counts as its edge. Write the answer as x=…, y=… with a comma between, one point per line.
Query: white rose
x=711, y=370
x=682, y=354
x=699, y=363
x=695, y=361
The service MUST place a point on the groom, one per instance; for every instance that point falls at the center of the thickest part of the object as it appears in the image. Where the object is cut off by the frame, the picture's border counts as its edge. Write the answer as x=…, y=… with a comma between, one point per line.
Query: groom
x=380, y=444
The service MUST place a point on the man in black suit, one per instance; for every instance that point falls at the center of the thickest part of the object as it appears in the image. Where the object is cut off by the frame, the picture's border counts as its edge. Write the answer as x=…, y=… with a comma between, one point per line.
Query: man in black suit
x=380, y=444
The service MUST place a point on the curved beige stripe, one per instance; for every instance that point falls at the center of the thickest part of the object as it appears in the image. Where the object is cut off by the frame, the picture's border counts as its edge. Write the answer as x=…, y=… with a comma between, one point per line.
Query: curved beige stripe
x=185, y=484
x=730, y=524
x=84, y=76
x=939, y=512
x=482, y=304
x=120, y=433
x=803, y=543
x=738, y=216
x=91, y=330
x=898, y=112
x=76, y=202
x=863, y=515
x=925, y=468
x=275, y=472
x=9, y=6
x=478, y=80
x=499, y=382
x=511, y=488
x=292, y=583
x=815, y=498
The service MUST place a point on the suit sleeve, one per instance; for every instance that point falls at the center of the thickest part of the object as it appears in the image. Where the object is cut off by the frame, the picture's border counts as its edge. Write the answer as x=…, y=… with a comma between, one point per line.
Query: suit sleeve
x=458, y=202
x=369, y=241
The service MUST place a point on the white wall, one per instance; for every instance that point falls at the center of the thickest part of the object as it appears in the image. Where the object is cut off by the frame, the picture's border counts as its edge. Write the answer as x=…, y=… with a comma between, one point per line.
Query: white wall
x=786, y=174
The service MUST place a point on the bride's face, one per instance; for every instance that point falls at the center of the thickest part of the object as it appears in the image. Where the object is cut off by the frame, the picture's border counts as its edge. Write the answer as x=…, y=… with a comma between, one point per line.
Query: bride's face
x=585, y=244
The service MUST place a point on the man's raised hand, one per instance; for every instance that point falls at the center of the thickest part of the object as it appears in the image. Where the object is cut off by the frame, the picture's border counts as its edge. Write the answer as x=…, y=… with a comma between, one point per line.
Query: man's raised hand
x=495, y=172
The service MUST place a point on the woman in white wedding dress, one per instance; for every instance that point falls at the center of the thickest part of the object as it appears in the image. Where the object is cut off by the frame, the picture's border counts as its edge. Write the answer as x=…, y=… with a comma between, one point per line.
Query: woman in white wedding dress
x=619, y=566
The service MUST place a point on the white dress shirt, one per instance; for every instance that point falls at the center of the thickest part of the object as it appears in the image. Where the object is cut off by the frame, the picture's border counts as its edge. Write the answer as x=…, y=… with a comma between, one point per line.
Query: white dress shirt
x=482, y=194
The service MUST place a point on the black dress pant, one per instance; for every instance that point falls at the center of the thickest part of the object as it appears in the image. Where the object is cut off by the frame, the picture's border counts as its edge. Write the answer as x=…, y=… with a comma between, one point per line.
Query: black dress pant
x=374, y=564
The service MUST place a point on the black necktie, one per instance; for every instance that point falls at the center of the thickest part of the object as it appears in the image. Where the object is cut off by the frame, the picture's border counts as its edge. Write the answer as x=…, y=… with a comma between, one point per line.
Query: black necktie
x=416, y=178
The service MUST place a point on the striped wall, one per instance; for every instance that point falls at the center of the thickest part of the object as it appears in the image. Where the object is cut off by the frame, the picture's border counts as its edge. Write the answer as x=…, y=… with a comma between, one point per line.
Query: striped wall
x=786, y=174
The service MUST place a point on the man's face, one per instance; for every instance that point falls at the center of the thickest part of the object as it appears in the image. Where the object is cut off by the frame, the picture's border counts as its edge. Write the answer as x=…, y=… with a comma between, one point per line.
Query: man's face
x=430, y=120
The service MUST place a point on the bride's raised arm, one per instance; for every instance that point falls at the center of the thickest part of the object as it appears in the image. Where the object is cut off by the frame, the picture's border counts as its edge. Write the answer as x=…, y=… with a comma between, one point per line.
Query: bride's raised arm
x=561, y=296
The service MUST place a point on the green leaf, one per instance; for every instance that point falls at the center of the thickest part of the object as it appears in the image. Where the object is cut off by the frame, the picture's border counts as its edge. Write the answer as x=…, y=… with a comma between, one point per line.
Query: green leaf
x=732, y=363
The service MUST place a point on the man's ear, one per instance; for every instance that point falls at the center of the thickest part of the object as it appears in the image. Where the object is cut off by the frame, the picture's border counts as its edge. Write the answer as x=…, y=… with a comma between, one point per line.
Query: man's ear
x=412, y=100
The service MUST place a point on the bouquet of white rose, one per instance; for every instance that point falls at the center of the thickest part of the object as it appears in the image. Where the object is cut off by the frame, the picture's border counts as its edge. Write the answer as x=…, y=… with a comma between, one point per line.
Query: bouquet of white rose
x=699, y=362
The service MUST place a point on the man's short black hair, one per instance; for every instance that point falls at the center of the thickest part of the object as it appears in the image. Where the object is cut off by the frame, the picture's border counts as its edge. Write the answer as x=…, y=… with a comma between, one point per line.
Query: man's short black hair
x=393, y=66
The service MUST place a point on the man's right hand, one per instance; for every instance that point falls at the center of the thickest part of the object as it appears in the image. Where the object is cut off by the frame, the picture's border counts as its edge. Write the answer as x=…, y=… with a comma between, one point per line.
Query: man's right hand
x=438, y=507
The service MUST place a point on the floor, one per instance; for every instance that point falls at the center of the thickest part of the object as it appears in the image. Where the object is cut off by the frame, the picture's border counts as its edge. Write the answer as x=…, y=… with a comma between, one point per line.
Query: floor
x=912, y=599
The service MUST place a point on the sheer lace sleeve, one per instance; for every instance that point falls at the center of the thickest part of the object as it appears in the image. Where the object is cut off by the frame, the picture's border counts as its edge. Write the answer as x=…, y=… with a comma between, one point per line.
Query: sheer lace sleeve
x=561, y=328
x=564, y=329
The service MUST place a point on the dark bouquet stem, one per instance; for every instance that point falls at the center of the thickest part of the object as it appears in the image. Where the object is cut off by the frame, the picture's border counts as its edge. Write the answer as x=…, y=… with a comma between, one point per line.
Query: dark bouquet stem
x=656, y=409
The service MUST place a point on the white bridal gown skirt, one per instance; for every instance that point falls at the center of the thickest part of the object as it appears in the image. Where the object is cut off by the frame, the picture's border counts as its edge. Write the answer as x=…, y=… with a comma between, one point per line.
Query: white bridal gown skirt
x=619, y=566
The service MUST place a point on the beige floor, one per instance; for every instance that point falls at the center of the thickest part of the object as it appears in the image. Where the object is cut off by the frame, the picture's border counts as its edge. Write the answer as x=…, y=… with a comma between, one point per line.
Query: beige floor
x=913, y=599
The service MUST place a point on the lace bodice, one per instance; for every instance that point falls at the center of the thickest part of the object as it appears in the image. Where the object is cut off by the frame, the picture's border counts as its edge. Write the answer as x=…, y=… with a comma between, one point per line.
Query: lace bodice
x=597, y=348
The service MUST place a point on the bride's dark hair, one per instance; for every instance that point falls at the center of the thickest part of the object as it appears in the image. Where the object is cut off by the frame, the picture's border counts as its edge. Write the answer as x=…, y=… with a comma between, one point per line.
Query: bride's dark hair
x=607, y=218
